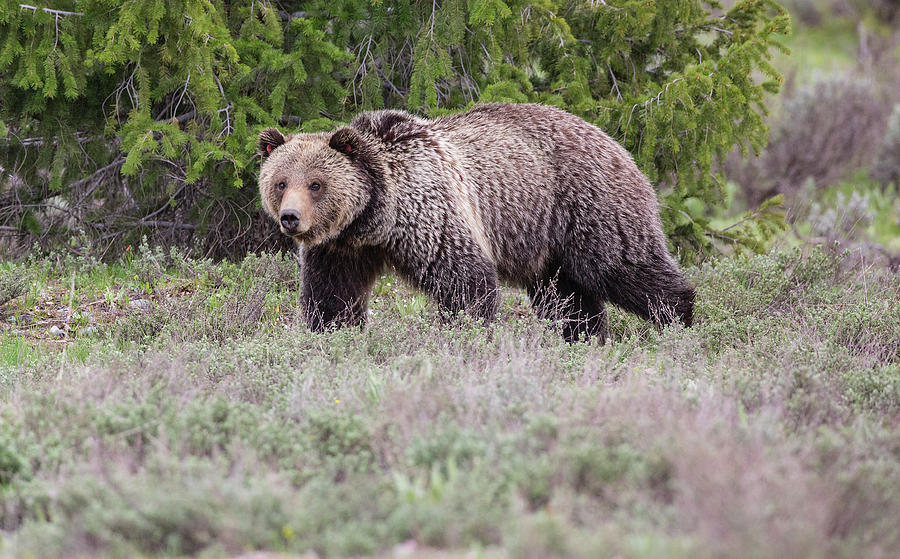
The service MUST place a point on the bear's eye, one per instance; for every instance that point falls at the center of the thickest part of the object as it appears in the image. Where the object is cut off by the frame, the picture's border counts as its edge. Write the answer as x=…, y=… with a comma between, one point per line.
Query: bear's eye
x=281, y=186
x=315, y=186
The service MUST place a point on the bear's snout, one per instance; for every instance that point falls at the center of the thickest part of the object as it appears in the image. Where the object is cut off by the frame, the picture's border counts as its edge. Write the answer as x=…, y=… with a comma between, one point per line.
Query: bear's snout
x=290, y=220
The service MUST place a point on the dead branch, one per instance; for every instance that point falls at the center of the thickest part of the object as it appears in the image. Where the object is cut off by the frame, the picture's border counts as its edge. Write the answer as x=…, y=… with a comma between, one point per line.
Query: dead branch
x=50, y=11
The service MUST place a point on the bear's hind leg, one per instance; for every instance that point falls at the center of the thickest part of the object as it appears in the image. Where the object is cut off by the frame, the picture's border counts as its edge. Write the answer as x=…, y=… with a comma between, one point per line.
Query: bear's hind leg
x=466, y=283
x=581, y=314
x=473, y=290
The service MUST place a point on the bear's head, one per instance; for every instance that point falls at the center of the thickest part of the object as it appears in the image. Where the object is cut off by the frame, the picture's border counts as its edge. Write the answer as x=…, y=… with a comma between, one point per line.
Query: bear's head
x=316, y=185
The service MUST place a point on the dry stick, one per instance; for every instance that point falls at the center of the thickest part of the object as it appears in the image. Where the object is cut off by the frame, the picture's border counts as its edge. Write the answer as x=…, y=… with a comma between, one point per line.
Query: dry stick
x=71, y=303
x=166, y=224
x=93, y=177
x=229, y=129
x=289, y=16
x=146, y=218
x=79, y=137
x=50, y=11
x=99, y=171
x=187, y=82
x=614, y=82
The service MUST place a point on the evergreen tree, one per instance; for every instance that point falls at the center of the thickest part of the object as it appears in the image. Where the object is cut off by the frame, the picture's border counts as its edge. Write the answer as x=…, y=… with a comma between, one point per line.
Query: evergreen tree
x=123, y=118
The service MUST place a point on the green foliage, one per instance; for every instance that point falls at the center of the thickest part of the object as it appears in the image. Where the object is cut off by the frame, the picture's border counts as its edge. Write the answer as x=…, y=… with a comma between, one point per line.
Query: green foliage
x=167, y=98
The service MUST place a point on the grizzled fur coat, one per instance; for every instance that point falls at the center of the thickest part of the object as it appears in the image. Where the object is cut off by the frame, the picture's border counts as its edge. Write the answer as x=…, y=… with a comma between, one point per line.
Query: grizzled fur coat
x=528, y=194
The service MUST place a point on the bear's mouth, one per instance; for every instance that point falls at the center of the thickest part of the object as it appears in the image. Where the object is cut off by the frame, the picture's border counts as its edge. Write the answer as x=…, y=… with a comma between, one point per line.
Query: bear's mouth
x=306, y=237
x=297, y=235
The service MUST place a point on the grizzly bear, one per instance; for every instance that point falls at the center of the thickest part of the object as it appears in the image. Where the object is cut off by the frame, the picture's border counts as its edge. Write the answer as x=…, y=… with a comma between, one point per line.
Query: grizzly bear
x=529, y=194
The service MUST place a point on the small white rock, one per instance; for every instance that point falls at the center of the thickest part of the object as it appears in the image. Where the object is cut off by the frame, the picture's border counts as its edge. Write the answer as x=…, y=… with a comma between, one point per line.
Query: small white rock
x=142, y=304
x=87, y=330
x=57, y=331
x=406, y=549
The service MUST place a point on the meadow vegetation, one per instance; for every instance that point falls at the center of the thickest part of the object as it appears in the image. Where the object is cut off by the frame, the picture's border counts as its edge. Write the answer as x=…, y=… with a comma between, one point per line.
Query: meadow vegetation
x=209, y=421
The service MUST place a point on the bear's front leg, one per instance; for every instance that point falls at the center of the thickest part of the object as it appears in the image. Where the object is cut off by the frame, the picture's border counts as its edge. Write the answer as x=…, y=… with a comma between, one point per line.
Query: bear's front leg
x=337, y=282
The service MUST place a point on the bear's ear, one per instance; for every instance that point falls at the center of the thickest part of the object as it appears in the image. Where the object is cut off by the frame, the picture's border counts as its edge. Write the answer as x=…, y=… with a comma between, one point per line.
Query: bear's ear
x=269, y=139
x=346, y=141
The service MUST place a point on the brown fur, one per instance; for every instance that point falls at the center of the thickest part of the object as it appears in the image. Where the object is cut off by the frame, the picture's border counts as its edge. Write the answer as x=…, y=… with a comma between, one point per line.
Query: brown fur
x=525, y=193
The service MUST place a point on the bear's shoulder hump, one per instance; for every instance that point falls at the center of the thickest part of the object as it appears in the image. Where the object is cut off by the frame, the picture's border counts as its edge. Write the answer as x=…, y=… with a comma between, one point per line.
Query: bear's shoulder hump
x=391, y=126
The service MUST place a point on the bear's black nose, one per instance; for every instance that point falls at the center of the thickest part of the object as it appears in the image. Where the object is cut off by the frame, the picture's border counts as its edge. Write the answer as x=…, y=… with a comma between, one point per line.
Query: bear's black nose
x=290, y=219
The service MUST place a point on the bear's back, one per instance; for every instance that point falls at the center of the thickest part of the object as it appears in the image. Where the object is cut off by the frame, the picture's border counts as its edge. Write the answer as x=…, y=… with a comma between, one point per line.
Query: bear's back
x=530, y=170
x=536, y=169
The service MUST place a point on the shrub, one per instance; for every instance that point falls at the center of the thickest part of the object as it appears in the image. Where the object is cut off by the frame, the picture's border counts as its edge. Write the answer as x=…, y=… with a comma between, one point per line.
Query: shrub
x=12, y=284
x=10, y=466
x=843, y=220
x=887, y=168
x=887, y=11
x=826, y=130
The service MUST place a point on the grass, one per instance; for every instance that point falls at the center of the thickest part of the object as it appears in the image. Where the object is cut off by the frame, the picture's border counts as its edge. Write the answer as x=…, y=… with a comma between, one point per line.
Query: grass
x=211, y=423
